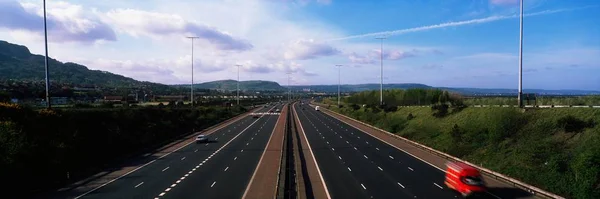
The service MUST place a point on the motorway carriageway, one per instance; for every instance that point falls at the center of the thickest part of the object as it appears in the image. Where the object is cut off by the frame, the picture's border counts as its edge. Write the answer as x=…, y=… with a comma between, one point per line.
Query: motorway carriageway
x=221, y=168
x=356, y=165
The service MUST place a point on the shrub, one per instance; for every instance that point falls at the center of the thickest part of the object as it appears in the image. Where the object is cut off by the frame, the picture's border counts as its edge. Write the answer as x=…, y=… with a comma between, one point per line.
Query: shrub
x=570, y=123
x=354, y=106
x=410, y=116
x=439, y=110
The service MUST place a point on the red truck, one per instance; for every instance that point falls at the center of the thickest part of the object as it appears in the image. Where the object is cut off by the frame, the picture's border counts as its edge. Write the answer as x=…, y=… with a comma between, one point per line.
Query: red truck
x=464, y=178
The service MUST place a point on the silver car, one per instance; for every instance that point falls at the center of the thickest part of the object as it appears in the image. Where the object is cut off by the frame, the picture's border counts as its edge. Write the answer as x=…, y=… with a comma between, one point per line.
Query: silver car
x=201, y=138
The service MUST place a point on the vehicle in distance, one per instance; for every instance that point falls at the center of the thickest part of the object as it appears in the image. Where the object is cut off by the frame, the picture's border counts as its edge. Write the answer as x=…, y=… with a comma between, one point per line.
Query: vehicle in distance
x=317, y=108
x=464, y=179
x=276, y=110
x=201, y=139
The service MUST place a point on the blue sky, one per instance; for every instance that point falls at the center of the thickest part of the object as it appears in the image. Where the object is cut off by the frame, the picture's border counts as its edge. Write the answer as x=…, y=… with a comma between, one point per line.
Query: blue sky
x=453, y=43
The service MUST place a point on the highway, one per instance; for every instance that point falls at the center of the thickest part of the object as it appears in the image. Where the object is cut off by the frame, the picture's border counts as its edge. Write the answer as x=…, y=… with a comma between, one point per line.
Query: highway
x=221, y=168
x=356, y=165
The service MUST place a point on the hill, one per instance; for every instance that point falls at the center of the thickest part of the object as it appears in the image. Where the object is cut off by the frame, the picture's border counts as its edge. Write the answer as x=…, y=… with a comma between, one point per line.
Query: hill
x=231, y=85
x=17, y=63
x=358, y=87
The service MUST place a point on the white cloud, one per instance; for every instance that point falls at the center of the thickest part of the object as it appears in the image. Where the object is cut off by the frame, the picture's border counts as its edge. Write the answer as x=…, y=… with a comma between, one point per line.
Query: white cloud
x=360, y=59
x=66, y=22
x=139, y=22
x=303, y=49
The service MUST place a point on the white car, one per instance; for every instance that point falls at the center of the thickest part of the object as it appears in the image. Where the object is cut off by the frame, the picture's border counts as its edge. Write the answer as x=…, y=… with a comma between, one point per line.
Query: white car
x=201, y=138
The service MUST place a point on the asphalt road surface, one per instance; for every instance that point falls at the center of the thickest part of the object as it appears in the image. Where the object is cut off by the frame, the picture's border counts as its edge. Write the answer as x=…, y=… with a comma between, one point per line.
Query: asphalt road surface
x=356, y=165
x=221, y=168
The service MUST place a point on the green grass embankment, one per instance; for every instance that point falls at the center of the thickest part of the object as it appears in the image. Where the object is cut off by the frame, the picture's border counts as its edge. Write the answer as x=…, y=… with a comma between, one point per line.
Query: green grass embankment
x=554, y=149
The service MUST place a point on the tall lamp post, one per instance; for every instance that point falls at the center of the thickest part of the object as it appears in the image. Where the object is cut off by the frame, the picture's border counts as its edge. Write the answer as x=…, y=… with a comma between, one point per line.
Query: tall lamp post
x=238, y=83
x=381, y=71
x=339, y=82
x=48, y=105
x=192, y=85
x=288, y=83
x=520, y=97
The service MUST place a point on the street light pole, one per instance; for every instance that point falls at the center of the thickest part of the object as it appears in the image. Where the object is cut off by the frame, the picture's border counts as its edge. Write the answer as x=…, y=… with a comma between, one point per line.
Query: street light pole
x=238, y=83
x=381, y=71
x=289, y=89
x=520, y=97
x=192, y=85
x=48, y=105
x=339, y=82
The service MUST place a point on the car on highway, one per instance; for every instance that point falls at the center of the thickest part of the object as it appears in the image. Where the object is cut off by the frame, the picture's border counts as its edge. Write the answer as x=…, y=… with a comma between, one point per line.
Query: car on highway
x=464, y=179
x=277, y=110
x=201, y=138
x=317, y=108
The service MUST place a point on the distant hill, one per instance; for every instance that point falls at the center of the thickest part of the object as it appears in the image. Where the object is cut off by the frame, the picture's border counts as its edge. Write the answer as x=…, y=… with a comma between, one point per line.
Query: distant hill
x=358, y=87
x=252, y=85
x=17, y=63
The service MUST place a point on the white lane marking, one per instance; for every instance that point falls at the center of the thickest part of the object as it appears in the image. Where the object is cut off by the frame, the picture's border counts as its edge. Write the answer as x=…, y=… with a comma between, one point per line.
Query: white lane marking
x=380, y=168
x=340, y=136
x=438, y=185
x=401, y=185
x=206, y=144
x=367, y=142
x=242, y=150
x=332, y=149
x=168, y=189
x=136, y=186
x=182, y=178
x=213, y=184
x=165, y=169
x=327, y=142
x=252, y=138
x=377, y=148
x=235, y=158
x=349, y=169
x=355, y=148
x=161, y=194
x=98, y=187
x=347, y=142
x=196, y=150
x=311, y=153
x=340, y=157
x=363, y=186
x=366, y=156
x=226, y=169
x=173, y=185
x=391, y=157
x=247, y=144
x=183, y=158
x=178, y=181
x=411, y=169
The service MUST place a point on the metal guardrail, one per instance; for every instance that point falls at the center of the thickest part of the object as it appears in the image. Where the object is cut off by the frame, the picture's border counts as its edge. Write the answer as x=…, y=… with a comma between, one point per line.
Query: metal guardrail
x=515, y=183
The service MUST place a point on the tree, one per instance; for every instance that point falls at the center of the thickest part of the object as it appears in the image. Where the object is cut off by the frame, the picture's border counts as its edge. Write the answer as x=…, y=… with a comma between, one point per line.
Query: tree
x=456, y=134
x=4, y=97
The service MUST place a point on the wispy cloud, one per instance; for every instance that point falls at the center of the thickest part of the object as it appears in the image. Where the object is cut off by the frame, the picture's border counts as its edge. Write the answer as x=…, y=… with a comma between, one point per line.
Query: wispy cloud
x=454, y=24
